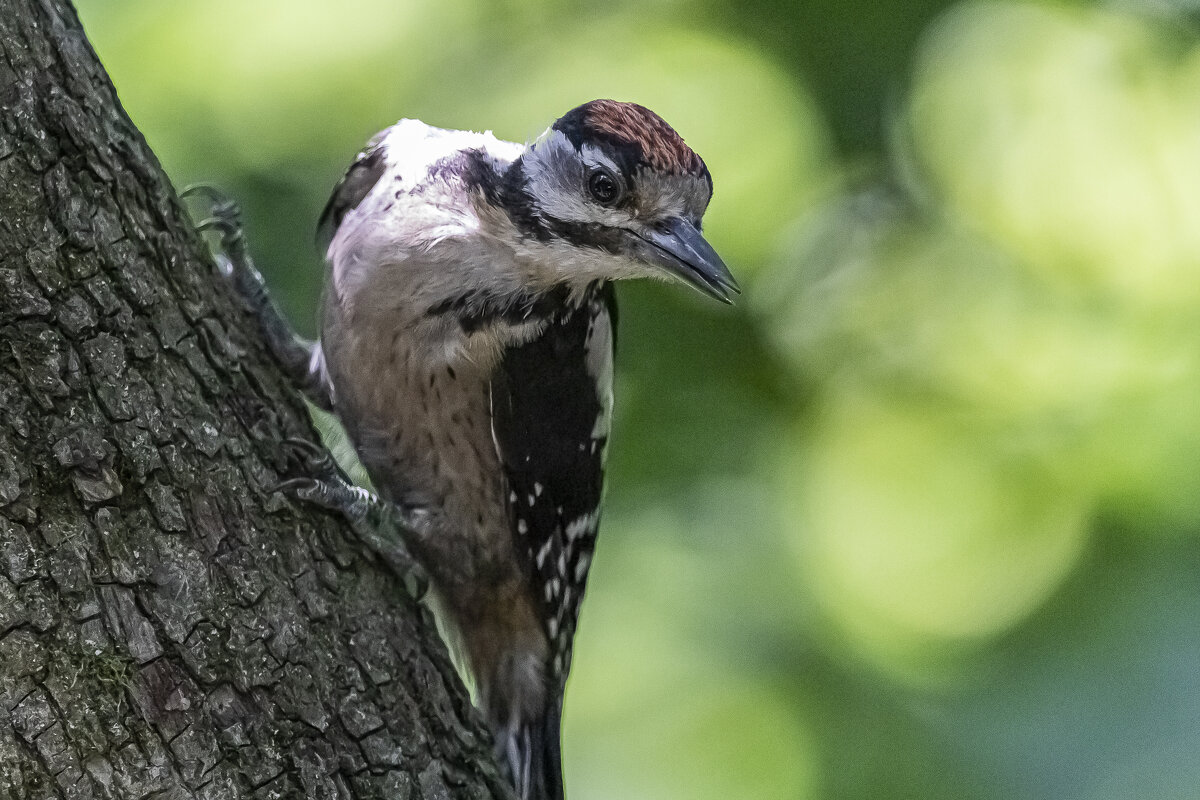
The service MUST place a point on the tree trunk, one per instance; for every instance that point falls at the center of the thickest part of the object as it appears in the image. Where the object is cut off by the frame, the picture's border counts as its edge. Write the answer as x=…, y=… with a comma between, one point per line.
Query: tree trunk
x=168, y=628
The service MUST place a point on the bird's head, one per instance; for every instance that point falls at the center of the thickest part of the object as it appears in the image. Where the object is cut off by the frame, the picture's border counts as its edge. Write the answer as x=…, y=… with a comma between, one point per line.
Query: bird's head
x=616, y=182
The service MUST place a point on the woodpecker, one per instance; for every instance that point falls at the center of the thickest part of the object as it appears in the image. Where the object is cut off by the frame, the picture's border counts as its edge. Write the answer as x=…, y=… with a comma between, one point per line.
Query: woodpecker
x=466, y=345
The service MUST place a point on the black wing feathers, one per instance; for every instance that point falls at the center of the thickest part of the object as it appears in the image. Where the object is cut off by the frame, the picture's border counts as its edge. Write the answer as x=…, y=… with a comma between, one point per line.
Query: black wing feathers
x=546, y=402
x=355, y=185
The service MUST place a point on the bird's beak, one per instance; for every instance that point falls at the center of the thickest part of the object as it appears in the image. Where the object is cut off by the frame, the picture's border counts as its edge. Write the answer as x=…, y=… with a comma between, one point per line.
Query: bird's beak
x=679, y=248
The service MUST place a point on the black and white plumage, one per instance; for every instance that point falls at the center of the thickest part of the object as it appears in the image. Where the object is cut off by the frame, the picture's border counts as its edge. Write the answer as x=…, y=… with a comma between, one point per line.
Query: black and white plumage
x=551, y=413
x=467, y=343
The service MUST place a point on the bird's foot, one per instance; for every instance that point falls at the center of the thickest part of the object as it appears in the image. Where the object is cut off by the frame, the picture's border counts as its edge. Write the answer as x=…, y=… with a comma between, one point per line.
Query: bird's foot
x=232, y=257
x=381, y=525
x=224, y=217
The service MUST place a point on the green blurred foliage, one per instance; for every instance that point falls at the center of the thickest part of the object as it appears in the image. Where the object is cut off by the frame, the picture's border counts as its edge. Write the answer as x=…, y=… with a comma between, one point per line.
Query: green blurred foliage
x=918, y=518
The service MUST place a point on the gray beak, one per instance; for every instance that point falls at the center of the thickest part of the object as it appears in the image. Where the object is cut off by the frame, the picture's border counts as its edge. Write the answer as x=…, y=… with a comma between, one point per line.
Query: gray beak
x=679, y=248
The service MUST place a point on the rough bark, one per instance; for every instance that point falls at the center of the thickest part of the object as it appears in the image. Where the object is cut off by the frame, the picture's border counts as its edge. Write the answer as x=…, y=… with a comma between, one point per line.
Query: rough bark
x=168, y=628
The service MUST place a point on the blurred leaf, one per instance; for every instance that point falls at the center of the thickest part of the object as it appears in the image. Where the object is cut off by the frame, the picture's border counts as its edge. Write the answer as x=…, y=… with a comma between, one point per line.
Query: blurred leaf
x=1070, y=135
x=917, y=529
x=668, y=713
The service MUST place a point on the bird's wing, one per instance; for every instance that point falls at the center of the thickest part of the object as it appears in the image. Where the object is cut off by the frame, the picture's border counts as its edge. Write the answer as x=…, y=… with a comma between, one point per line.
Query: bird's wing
x=361, y=177
x=551, y=413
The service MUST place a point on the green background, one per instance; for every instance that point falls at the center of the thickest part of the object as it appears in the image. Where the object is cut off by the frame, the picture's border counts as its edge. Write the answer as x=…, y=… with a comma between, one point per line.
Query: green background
x=920, y=516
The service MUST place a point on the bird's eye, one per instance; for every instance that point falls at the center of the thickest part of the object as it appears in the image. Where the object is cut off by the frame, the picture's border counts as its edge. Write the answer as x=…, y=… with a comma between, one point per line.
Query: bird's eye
x=604, y=188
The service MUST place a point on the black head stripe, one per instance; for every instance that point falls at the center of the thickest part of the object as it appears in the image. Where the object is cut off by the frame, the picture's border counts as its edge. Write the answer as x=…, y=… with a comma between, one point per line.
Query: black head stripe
x=600, y=237
x=510, y=194
x=475, y=309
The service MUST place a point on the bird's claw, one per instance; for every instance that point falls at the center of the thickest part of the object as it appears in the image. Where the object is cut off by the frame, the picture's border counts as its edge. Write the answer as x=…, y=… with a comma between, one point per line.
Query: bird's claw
x=298, y=488
x=222, y=206
x=375, y=522
x=313, y=458
x=231, y=256
x=225, y=218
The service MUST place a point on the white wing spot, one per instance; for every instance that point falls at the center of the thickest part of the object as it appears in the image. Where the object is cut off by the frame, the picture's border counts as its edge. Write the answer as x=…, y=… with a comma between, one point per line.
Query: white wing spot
x=582, y=565
x=543, y=552
x=522, y=527
x=537, y=488
x=599, y=354
x=582, y=525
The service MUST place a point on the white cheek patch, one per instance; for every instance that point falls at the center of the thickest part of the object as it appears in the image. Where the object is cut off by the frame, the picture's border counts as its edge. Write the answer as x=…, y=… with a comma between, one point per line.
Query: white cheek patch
x=556, y=177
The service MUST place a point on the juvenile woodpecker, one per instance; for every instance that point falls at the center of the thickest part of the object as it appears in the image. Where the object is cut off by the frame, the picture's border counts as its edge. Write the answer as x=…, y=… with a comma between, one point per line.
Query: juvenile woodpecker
x=466, y=345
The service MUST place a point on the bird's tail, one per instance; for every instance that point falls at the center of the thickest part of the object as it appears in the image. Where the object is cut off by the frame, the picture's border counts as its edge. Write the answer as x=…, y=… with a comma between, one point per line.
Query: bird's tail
x=531, y=749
